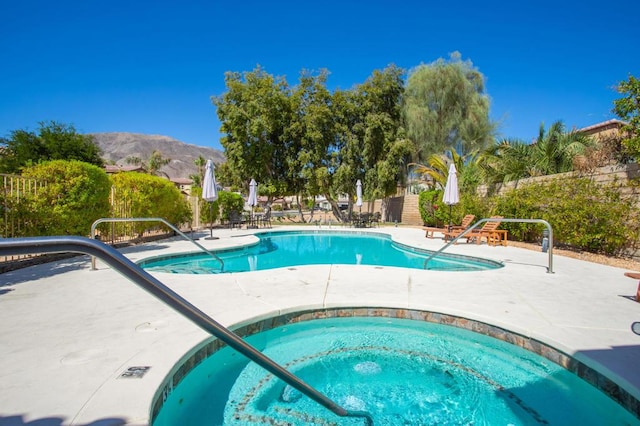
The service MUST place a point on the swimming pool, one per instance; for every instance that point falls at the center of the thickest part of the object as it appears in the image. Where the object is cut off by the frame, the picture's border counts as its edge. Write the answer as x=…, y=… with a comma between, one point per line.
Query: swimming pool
x=401, y=371
x=294, y=248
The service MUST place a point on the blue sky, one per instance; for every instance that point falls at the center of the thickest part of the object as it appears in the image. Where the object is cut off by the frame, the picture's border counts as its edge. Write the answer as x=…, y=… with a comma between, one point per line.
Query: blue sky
x=152, y=66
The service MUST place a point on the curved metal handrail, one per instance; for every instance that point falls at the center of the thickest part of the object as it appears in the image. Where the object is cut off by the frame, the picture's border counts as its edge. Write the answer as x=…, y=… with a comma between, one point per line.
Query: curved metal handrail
x=495, y=219
x=147, y=219
x=92, y=247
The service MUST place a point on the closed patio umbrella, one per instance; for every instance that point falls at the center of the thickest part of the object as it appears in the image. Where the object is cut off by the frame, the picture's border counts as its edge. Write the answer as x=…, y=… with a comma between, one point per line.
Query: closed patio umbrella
x=209, y=191
x=253, y=197
x=359, y=194
x=451, y=195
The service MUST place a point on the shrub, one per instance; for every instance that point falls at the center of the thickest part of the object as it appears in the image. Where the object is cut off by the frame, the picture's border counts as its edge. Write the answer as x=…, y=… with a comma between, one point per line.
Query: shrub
x=142, y=195
x=76, y=195
x=430, y=207
x=435, y=213
x=584, y=215
x=228, y=202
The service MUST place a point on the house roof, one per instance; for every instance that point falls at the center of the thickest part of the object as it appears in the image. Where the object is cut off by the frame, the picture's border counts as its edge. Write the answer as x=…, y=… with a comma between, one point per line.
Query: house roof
x=182, y=181
x=609, y=124
x=111, y=168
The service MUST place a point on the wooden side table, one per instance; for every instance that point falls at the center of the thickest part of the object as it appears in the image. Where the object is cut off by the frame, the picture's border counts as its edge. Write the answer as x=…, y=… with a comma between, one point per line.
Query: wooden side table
x=498, y=236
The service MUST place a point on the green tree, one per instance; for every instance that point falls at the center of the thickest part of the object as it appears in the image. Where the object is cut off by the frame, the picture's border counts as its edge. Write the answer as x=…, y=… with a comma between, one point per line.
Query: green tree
x=385, y=149
x=505, y=161
x=556, y=150
x=445, y=107
x=255, y=112
x=76, y=194
x=370, y=141
x=198, y=178
x=54, y=141
x=312, y=136
x=152, y=165
x=628, y=109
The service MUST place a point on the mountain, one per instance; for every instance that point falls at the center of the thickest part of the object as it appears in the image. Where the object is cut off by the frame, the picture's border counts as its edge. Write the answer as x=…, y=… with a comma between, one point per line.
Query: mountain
x=117, y=146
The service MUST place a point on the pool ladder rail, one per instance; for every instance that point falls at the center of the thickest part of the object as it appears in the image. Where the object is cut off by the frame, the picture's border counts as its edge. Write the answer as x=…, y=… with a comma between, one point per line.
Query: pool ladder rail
x=491, y=219
x=92, y=247
x=149, y=219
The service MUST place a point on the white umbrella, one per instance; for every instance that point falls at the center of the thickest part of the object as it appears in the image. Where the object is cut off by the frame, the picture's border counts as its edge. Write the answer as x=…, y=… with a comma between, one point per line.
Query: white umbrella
x=253, y=196
x=451, y=194
x=209, y=190
x=359, y=194
x=253, y=193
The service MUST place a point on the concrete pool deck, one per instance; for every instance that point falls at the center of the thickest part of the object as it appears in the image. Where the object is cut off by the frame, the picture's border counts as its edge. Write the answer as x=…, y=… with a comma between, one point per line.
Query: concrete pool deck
x=67, y=333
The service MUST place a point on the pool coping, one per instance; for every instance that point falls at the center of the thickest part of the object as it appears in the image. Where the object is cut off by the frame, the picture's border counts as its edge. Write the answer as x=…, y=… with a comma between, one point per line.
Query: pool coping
x=487, y=263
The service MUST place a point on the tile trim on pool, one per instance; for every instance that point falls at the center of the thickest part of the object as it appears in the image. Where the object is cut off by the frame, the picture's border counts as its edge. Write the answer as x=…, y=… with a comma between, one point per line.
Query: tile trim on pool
x=591, y=376
x=489, y=263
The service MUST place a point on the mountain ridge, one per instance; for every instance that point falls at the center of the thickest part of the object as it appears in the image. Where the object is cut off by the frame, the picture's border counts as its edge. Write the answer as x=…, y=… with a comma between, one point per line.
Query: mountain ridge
x=116, y=147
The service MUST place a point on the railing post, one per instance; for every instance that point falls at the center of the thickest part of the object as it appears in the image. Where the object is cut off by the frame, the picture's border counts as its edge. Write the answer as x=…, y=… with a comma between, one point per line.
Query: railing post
x=152, y=285
x=148, y=219
x=491, y=219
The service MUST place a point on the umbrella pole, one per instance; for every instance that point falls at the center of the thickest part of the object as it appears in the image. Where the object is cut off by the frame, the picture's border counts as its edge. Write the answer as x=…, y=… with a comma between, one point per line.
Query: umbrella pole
x=449, y=217
x=211, y=219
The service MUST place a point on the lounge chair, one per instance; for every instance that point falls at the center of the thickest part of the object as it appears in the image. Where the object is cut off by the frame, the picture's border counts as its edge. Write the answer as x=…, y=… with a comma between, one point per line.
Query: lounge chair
x=489, y=231
x=466, y=222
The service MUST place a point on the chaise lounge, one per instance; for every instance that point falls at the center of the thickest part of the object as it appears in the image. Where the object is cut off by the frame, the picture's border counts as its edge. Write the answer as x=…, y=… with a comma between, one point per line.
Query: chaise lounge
x=464, y=224
x=489, y=231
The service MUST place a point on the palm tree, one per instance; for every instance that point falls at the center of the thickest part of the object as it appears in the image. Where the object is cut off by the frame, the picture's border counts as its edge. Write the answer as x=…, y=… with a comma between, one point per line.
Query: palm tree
x=156, y=162
x=506, y=161
x=436, y=171
x=152, y=165
x=556, y=150
x=200, y=162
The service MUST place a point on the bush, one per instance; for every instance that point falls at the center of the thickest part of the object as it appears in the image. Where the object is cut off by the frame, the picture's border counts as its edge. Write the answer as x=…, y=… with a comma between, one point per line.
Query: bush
x=435, y=213
x=584, y=215
x=76, y=195
x=430, y=208
x=140, y=195
x=228, y=202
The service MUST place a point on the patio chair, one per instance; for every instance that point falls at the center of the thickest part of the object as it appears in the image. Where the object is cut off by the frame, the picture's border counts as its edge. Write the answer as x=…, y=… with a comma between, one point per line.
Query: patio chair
x=265, y=219
x=466, y=222
x=487, y=231
x=375, y=219
x=236, y=219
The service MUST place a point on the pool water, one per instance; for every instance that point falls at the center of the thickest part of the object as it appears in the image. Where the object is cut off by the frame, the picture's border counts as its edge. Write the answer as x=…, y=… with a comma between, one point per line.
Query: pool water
x=403, y=372
x=294, y=248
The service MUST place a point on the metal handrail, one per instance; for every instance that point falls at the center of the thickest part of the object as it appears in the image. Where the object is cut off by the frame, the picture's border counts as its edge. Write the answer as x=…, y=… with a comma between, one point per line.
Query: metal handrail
x=33, y=245
x=147, y=219
x=495, y=219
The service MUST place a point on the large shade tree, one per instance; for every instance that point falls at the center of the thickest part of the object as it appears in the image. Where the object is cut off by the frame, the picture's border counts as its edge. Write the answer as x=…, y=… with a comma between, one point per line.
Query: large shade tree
x=307, y=141
x=312, y=135
x=376, y=146
x=255, y=111
x=357, y=134
x=445, y=106
x=52, y=141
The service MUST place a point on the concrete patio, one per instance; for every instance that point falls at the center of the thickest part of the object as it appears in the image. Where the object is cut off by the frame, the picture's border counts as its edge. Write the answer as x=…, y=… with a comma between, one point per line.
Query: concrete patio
x=68, y=333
